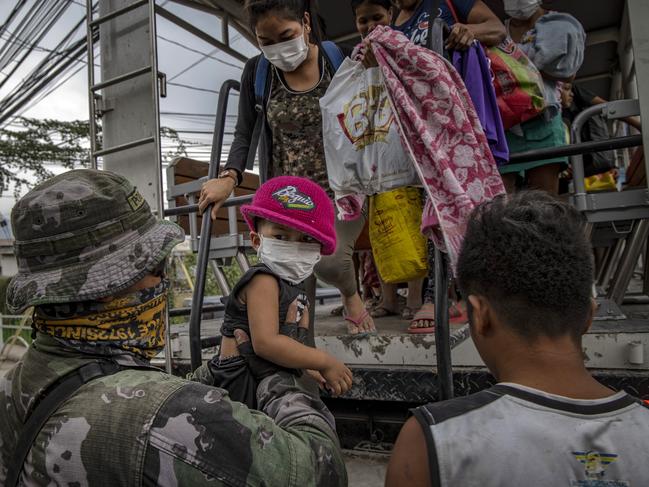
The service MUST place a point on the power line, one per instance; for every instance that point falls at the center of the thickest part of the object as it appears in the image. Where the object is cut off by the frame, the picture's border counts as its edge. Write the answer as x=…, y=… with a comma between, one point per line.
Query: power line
x=17, y=8
x=208, y=55
x=190, y=87
x=191, y=66
x=33, y=27
x=210, y=115
x=56, y=51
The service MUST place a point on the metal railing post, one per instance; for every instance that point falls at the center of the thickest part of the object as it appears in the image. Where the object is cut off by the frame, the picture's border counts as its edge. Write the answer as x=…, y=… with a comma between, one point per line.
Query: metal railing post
x=442, y=329
x=206, y=228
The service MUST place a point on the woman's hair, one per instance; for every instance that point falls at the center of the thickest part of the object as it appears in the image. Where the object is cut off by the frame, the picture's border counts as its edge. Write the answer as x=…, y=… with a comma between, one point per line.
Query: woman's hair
x=386, y=4
x=290, y=9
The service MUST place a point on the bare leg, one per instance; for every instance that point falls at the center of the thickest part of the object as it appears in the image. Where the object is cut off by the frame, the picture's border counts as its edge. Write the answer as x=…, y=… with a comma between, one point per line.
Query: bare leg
x=425, y=317
x=414, y=301
x=509, y=180
x=545, y=178
x=338, y=270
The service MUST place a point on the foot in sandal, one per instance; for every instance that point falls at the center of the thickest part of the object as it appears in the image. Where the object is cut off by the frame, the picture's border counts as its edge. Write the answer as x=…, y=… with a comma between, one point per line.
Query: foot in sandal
x=381, y=311
x=424, y=320
x=359, y=321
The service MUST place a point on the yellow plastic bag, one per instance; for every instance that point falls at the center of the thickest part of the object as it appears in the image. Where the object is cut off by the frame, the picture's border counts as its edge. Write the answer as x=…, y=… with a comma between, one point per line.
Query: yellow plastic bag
x=601, y=182
x=398, y=246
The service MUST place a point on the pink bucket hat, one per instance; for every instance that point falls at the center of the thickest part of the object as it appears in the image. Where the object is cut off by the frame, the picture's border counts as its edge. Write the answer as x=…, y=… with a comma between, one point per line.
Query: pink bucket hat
x=296, y=203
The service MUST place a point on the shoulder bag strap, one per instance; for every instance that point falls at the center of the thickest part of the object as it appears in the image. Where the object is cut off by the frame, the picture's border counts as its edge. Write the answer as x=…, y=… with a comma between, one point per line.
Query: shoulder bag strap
x=49, y=403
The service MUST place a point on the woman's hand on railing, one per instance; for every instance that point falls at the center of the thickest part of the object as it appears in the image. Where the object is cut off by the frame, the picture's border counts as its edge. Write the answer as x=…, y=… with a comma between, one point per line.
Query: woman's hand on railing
x=215, y=191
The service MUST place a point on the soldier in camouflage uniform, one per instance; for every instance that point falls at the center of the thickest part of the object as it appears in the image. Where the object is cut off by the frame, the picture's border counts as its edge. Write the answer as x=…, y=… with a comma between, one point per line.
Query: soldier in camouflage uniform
x=90, y=255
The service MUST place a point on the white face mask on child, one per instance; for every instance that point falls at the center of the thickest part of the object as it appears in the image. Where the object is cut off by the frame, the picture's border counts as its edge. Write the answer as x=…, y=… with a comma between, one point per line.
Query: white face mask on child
x=291, y=261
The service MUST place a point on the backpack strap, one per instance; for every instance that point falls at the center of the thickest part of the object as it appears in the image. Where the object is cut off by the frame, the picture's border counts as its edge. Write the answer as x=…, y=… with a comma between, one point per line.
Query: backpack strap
x=333, y=54
x=261, y=87
x=261, y=81
x=48, y=403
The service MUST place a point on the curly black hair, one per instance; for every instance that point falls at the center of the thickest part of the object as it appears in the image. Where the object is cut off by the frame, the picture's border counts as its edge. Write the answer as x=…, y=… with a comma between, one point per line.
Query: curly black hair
x=529, y=256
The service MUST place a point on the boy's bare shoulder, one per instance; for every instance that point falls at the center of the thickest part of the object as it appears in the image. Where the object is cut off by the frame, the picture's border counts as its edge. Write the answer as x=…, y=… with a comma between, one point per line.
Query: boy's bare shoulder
x=261, y=284
x=409, y=461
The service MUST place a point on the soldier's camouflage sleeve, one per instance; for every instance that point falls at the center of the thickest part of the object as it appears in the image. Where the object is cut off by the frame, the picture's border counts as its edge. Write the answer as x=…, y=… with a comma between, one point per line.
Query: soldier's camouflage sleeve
x=200, y=437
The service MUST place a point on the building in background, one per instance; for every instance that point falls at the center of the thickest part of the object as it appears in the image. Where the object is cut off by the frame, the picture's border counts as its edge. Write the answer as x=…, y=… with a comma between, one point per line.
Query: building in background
x=8, y=264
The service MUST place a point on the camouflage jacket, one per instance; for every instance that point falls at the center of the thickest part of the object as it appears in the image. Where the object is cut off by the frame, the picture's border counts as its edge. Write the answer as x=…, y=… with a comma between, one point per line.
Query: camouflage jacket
x=144, y=427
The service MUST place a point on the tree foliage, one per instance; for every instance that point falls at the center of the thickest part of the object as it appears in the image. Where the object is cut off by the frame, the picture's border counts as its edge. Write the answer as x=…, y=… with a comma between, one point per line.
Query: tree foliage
x=30, y=151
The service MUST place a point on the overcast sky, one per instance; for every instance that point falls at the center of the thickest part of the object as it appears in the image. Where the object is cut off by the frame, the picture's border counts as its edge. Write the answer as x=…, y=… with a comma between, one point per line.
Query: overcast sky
x=70, y=101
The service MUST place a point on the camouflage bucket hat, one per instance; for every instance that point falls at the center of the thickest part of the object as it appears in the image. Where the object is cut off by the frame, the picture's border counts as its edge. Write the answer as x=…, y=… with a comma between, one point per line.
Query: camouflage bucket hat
x=83, y=235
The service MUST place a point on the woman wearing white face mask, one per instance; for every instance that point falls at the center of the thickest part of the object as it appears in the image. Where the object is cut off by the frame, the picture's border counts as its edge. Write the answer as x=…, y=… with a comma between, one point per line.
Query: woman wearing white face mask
x=554, y=42
x=287, y=120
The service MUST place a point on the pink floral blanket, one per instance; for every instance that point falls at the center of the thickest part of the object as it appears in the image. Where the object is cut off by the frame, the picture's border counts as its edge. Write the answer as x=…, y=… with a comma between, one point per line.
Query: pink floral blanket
x=440, y=129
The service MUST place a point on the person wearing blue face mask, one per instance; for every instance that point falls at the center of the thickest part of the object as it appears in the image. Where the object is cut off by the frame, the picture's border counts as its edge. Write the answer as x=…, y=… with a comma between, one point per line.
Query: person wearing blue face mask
x=288, y=122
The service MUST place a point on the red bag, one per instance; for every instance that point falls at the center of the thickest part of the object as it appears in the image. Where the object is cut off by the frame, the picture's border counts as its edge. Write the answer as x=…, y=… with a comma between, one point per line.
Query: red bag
x=518, y=84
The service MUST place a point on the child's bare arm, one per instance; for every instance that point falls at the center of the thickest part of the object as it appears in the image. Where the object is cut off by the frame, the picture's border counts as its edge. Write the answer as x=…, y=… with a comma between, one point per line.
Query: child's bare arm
x=262, y=300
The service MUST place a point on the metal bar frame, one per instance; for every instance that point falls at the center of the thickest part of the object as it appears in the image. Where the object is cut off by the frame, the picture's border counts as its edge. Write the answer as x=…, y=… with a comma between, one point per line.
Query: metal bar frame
x=610, y=110
x=206, y=228
x=90, y=53
x=442, y=328
x=632, y=250
x=120, y=79
x=638, y=13
x=126, y=146
x=576, y=149
x=230, y=202
x=166, y=14
x=222, y=10
x=117, y=13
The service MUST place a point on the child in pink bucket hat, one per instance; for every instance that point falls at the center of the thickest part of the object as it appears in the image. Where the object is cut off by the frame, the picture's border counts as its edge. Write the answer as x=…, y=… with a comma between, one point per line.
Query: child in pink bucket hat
x=291, y=222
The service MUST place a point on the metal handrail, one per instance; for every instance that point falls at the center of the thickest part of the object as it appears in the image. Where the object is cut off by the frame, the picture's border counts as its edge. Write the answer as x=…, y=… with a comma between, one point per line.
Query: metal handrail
x=437, y=30
x=576, y=149
x=184, y=210
x=577, y=160
x=206, y=227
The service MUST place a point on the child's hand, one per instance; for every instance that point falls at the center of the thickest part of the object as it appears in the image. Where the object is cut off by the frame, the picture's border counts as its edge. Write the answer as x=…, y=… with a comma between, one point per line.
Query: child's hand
x=338, y=376
x=317, y=376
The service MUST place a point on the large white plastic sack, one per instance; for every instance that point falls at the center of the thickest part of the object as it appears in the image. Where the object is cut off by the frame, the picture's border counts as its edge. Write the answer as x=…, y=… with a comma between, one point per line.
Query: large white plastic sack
x=361, y=139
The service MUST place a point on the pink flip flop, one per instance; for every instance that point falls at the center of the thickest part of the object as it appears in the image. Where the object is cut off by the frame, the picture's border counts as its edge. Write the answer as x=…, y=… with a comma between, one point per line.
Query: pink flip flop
x=357, y=322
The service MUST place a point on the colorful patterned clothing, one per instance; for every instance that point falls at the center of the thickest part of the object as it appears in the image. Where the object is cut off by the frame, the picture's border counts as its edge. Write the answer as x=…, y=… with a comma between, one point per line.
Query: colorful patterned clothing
x=441, y=131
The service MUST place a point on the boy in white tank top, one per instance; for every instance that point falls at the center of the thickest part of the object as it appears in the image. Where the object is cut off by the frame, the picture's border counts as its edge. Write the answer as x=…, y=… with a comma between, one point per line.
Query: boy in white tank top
x=526, y=272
